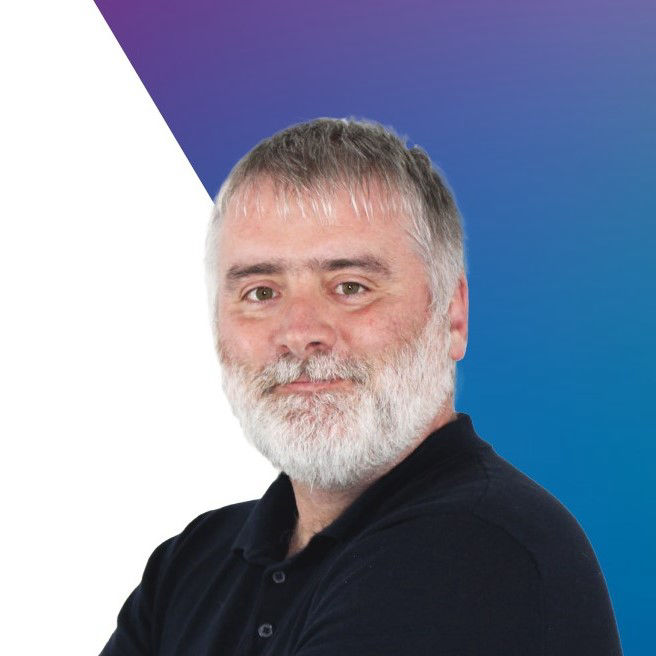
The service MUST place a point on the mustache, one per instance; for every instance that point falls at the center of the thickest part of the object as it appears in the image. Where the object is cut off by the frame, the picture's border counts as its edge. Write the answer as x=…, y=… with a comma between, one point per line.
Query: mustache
x=317, y=367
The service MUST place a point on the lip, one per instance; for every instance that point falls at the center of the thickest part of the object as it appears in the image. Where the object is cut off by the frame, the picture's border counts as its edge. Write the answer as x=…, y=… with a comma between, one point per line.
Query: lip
x=311, y=386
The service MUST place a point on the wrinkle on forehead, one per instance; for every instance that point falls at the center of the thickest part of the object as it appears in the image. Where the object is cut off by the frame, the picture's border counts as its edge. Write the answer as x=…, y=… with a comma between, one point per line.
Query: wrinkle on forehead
x=368, y=198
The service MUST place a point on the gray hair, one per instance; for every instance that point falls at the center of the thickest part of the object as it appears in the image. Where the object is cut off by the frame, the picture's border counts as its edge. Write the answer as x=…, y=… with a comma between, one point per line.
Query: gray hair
x=310, y=162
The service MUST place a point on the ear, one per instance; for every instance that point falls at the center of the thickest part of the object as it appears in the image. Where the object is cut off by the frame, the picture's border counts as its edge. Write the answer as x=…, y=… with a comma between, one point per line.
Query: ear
x=458, y=317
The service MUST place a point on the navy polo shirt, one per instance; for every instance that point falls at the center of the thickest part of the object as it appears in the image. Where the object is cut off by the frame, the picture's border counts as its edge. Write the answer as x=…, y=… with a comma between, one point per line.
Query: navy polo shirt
x=453, y=551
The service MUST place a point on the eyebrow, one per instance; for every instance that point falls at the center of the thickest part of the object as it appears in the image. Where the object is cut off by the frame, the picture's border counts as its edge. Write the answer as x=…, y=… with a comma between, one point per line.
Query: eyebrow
x=276, y=267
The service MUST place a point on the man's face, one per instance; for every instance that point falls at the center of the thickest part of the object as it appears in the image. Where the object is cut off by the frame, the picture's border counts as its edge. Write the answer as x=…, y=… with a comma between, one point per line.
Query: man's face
x=329, y=358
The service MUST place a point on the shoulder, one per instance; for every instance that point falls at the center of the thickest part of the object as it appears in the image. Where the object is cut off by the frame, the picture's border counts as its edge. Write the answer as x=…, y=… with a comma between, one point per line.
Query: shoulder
x=481, y=493
x=489, y=511
x=206, y=537
x=534, y=518
x=493, y=555
x=218, y=526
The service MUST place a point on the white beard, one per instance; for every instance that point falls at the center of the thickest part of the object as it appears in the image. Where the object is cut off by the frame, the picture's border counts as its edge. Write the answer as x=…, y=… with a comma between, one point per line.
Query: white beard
x=337, y=439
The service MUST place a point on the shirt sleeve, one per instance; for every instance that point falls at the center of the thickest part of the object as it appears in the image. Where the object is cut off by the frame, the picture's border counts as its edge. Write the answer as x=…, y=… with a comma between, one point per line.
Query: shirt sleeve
x=134, y=630
x=429, y=586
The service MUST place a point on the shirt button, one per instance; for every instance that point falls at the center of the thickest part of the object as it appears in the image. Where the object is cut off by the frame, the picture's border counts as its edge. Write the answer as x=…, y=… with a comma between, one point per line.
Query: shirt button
x=278, y=577
x=265, y=630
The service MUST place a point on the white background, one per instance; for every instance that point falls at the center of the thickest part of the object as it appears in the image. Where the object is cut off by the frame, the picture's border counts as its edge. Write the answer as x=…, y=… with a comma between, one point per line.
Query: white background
x=114, y=430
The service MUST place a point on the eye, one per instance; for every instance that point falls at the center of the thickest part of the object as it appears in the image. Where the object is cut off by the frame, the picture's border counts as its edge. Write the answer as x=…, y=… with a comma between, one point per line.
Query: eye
x=351, y=288
x=260, y=294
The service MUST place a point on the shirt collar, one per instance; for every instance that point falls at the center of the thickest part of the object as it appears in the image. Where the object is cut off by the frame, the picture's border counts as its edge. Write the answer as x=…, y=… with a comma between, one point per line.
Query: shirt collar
x=271, y=521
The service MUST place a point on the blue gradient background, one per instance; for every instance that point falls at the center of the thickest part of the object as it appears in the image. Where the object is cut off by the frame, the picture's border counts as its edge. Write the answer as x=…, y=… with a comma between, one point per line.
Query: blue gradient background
x=543, y=119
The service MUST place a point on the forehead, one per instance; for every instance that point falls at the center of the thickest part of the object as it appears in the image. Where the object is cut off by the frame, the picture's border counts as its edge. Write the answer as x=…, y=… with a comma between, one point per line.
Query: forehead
x=330, y=222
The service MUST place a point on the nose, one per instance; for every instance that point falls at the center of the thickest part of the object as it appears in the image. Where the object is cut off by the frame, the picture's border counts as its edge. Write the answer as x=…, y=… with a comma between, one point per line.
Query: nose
x=305, y=329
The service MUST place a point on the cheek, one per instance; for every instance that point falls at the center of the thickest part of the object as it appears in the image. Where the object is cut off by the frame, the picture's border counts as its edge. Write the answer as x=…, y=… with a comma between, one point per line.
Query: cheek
x=242, y=340
x=372, y=332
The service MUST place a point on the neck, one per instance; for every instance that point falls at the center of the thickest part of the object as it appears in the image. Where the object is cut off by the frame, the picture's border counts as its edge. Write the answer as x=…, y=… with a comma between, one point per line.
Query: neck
x=317, y=508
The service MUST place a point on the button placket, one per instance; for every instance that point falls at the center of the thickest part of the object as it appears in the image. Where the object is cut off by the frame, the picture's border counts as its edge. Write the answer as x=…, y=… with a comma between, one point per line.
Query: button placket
x=275, y=598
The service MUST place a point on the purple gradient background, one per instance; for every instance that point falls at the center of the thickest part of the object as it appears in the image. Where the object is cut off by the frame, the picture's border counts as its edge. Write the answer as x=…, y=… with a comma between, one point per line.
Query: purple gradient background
x=543, y=118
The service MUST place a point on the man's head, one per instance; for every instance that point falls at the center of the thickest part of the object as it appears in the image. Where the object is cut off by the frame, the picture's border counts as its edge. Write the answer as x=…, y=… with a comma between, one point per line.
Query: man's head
x=336, y=281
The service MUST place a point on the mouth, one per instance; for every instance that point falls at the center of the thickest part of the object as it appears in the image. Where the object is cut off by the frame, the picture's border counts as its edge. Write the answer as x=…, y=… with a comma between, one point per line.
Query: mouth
x=304, y=384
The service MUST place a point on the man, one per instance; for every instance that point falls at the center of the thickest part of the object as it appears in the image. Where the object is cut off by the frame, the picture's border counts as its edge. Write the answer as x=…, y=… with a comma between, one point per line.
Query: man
x=339, y=302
